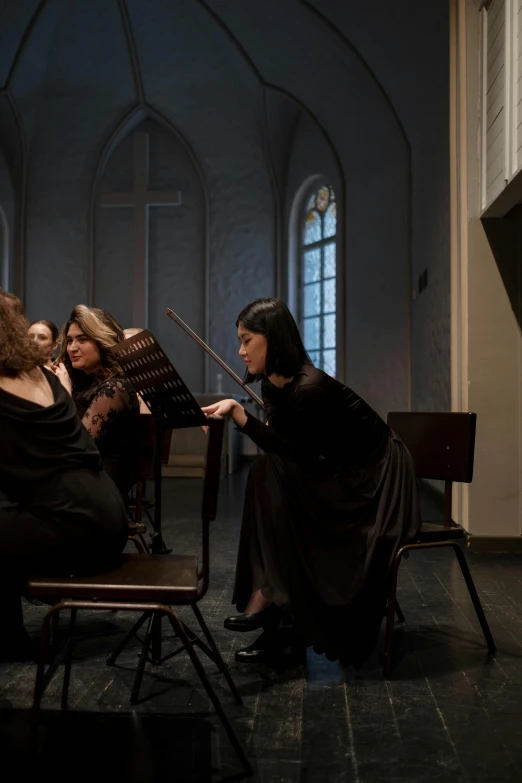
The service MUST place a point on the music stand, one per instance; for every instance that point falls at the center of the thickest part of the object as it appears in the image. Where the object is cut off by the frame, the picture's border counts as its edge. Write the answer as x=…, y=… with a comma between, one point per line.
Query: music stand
x=152, y=374
x=150, y=371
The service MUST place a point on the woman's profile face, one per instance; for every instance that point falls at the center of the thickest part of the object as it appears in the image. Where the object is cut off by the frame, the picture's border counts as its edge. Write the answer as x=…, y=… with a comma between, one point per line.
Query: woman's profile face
x=43, y=338
x=83, y=352
x=252, y=349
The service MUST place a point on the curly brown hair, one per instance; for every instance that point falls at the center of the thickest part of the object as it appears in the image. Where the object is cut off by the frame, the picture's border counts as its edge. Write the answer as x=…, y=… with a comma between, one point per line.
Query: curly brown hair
x=103, y=330
x=18, y=352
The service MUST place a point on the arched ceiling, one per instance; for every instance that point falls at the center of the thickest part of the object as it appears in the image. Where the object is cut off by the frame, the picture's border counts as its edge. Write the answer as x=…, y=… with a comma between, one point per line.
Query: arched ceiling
x=16, y=17
x=234, y=78
x=226, y=49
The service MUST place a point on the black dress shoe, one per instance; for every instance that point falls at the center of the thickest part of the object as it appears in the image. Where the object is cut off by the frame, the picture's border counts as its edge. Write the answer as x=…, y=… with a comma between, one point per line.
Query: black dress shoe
x=250, y=655
x=271, y=647
x=265, y=646
x=266, y=618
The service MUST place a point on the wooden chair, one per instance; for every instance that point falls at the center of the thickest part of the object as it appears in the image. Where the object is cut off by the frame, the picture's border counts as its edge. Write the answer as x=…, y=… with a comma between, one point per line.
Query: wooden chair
x=149, y=584
x=443, y=447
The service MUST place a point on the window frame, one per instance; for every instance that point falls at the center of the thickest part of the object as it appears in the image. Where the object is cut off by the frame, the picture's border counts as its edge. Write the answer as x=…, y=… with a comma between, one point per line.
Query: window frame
x=318, y=245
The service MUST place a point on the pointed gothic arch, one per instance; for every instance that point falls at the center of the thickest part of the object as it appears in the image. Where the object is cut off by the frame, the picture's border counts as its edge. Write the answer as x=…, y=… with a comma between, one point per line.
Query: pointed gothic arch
x=175, y=266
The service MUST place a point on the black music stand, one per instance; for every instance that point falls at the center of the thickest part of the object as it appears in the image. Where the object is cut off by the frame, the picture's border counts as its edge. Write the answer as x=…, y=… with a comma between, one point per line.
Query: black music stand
x=150, y=371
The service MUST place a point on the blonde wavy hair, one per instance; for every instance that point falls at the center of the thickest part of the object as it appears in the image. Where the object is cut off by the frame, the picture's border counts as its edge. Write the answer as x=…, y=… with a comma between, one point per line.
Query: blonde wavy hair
x=99, y=327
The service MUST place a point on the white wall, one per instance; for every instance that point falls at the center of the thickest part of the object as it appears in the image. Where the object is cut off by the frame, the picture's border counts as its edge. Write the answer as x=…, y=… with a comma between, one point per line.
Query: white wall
x=486, y=311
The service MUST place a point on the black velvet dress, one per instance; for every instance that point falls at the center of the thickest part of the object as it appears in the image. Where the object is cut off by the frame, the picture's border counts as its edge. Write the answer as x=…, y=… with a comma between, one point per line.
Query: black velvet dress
x=325, y=511
x=65, y=513
x=109, y=410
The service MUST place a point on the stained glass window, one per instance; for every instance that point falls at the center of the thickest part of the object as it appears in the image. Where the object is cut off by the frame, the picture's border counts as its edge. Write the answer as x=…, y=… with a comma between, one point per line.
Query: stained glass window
x=318, y=277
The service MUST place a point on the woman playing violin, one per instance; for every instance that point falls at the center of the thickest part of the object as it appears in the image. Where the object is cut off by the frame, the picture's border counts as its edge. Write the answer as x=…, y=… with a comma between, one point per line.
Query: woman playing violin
x=326, y=507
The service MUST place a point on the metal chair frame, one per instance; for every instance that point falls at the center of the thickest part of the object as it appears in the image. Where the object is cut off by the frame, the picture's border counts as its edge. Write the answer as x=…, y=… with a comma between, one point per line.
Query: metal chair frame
x=443, y=447
x=180, y=580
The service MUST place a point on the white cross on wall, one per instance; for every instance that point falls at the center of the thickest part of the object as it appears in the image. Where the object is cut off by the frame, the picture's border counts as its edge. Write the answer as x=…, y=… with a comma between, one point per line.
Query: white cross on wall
x=140, y=199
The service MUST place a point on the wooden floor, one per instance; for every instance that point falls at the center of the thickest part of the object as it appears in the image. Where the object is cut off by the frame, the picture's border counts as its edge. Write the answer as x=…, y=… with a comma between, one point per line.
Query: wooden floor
x=450, y=712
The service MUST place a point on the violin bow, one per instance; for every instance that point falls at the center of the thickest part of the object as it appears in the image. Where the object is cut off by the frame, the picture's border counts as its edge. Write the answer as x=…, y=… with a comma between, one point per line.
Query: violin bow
x=172, y=315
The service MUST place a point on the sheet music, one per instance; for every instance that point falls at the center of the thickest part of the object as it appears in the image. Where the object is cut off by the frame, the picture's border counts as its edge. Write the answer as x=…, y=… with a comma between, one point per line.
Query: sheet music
x=154, y=377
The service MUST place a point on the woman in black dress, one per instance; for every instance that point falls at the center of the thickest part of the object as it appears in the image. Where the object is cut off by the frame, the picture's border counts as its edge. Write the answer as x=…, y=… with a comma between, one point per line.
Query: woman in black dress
x=65, y=514
x=326, y=507
x=106, y=401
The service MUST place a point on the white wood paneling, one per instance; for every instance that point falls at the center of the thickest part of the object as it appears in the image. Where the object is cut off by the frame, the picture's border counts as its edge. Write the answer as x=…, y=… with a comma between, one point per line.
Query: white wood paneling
x=517, y=78
x=501, y=105
x=494, y=108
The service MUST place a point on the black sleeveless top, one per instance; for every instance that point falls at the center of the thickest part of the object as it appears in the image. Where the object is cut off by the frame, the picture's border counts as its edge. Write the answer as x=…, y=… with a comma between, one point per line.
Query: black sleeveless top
x=37, y=443
x=50, y=466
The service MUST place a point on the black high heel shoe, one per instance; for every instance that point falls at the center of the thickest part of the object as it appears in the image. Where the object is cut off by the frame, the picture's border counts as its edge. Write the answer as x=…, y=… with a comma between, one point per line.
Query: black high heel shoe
x=266, y=618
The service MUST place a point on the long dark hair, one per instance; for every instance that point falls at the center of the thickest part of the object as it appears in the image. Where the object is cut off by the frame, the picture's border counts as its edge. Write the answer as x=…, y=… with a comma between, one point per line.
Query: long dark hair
x=49, y=324
x=285, y=352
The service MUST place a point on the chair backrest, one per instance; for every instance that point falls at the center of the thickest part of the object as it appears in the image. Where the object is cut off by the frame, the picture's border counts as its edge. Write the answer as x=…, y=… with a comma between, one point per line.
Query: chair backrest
x=146, y=442
x=167, y=439
x=442, y=444
x=144, y=468
x=212, y=469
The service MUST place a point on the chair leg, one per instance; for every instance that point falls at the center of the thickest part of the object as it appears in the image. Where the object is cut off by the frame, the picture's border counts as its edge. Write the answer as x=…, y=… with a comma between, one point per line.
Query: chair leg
x=177, y=625
x=398, y=612
x=475, y=598
x=113, y=657
x=390, y=615
x=140, y=545
x=219, y=660
x=68, y=660
x=40, y=680
x=53, y=633
x=135, y=694
x=144, y=544
x=40, y=668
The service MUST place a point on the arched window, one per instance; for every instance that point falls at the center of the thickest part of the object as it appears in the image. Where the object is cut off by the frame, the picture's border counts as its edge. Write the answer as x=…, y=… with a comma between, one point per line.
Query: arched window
x=318, y=276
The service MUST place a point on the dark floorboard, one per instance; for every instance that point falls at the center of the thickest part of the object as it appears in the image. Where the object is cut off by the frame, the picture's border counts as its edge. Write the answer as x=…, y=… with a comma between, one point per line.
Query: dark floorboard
x=449, y=713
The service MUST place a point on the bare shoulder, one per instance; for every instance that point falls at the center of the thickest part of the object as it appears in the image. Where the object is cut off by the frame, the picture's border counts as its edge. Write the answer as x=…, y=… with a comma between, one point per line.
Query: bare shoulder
x=33, y=386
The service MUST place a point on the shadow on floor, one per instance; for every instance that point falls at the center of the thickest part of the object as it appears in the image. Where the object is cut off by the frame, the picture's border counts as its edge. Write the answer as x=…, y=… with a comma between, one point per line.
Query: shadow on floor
x=103, y=747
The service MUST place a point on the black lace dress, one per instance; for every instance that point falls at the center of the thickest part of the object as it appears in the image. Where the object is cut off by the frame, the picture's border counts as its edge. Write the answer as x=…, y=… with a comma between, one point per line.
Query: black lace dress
x=325, y=510
x=109, y=410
